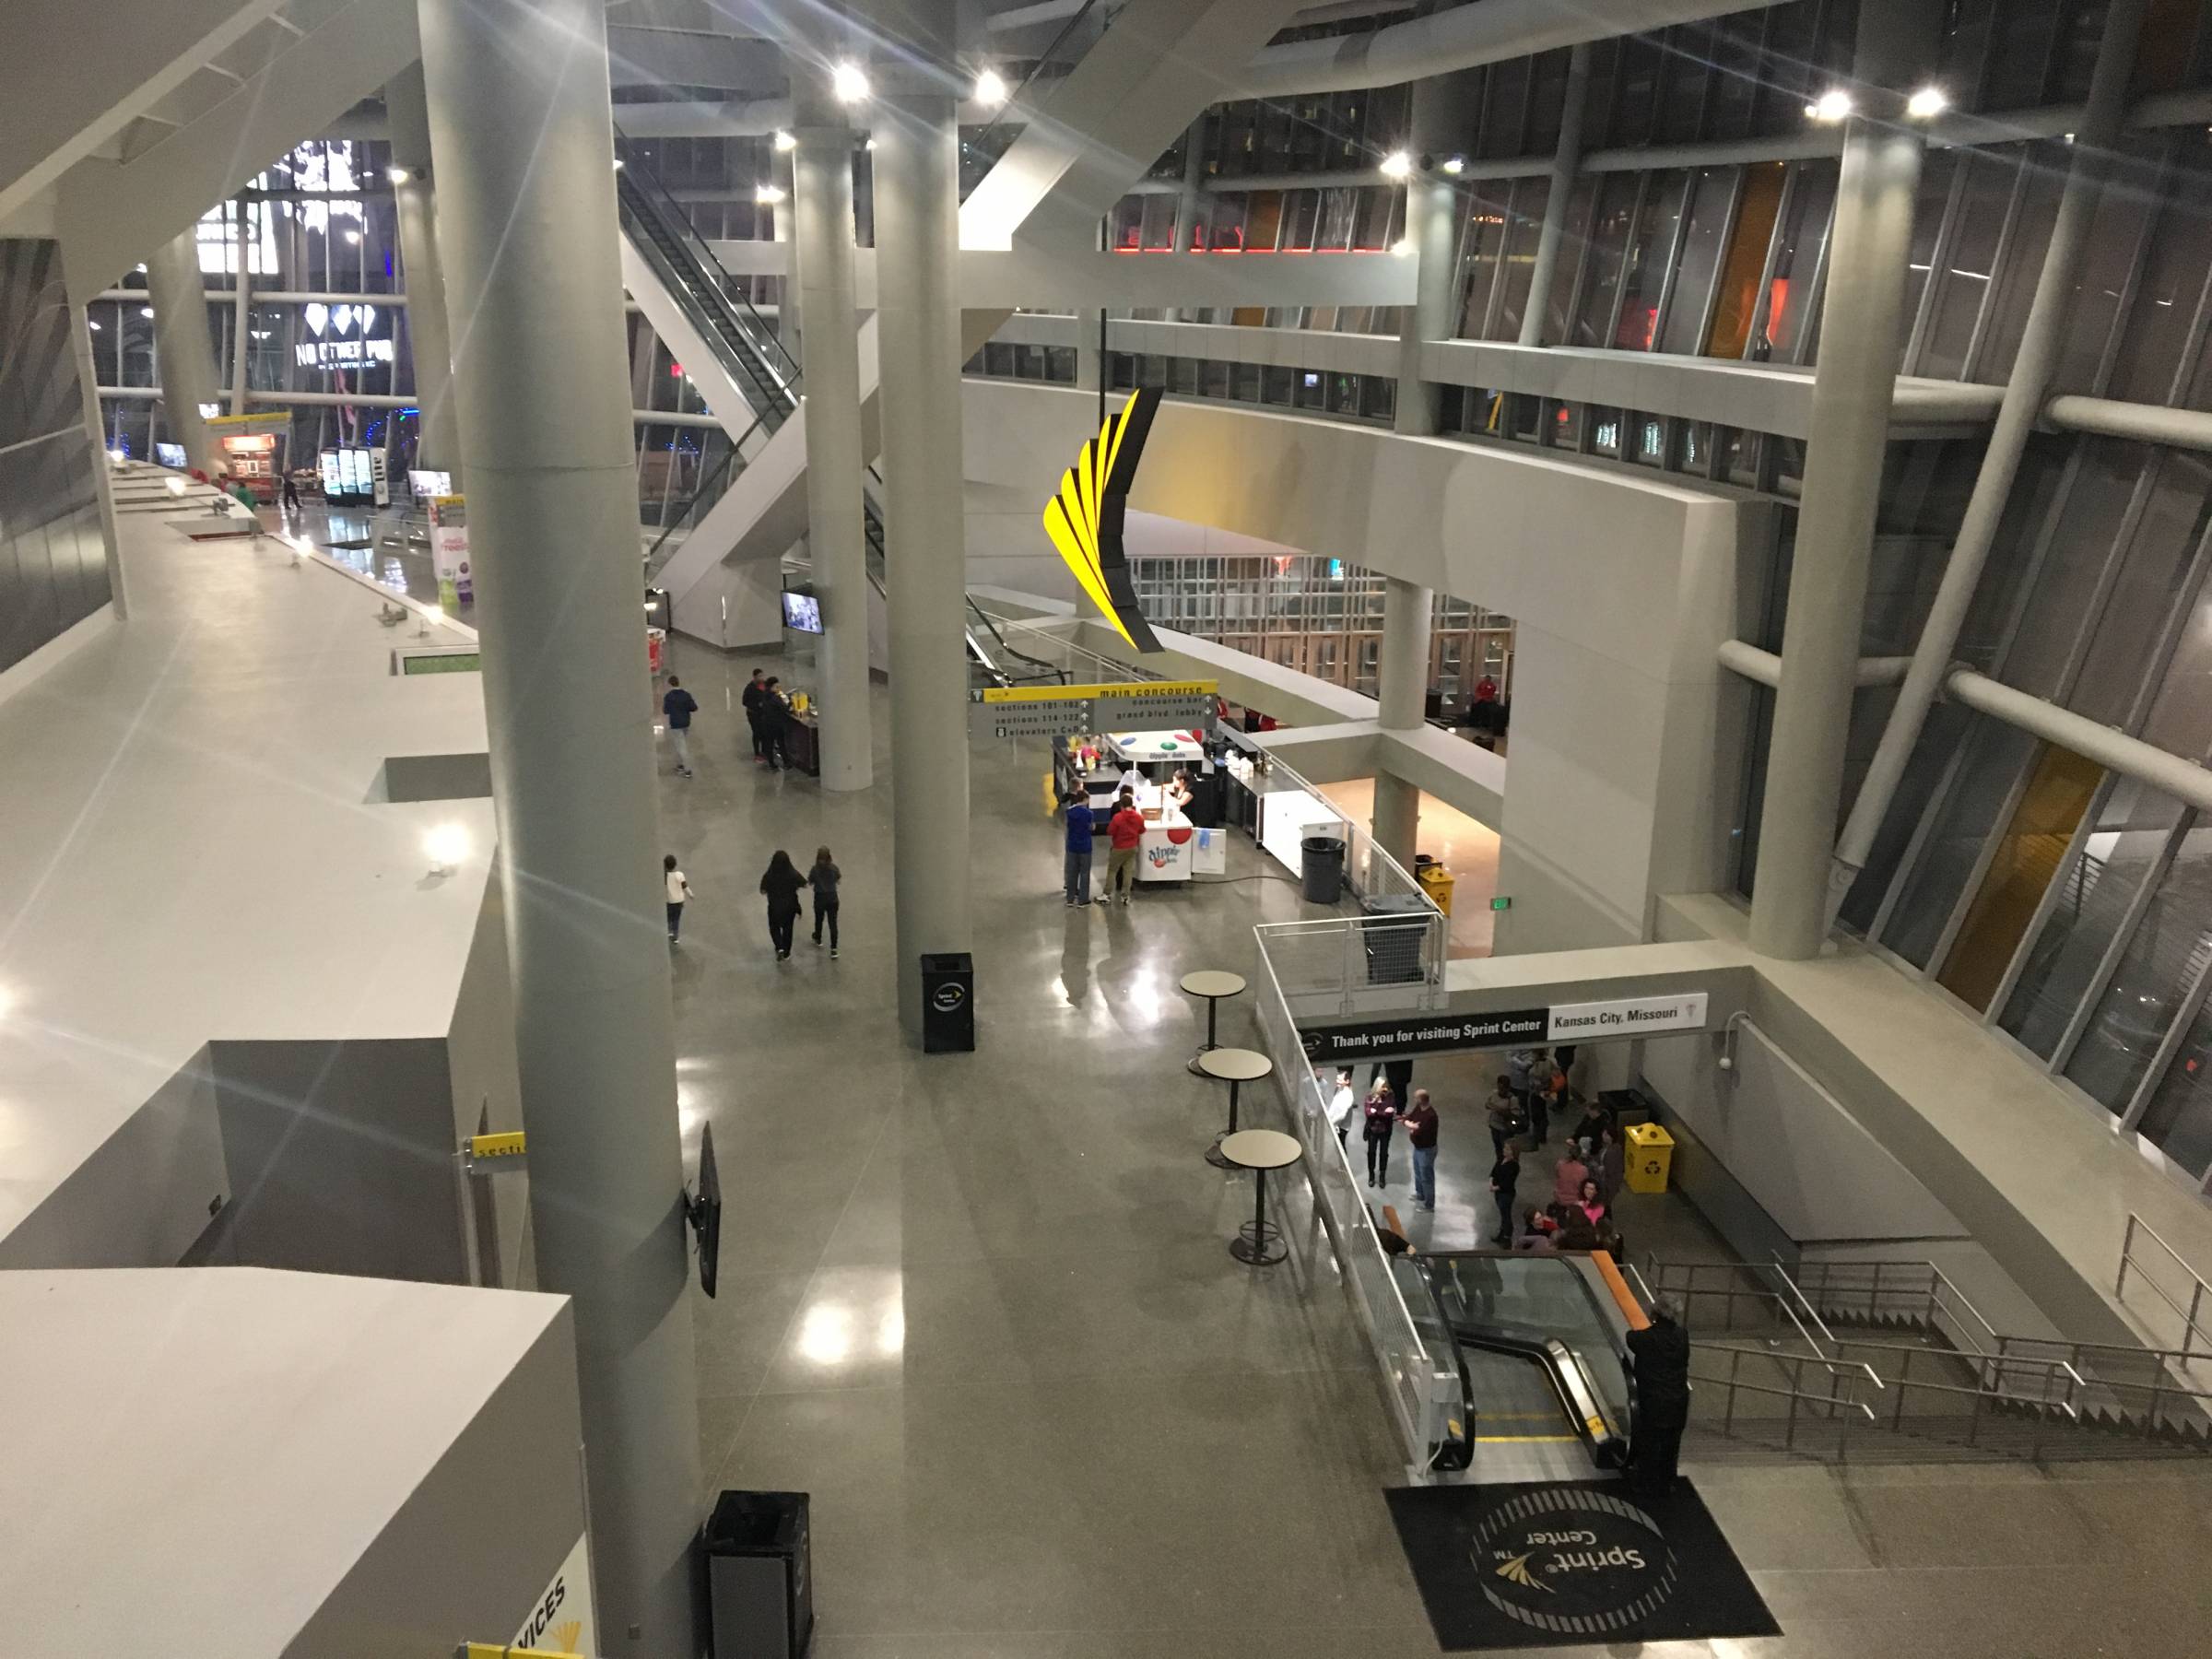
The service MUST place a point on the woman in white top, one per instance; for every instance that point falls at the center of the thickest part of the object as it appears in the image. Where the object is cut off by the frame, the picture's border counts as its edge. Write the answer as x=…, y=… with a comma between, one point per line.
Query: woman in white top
x=680, y=892
x=1341, y=1104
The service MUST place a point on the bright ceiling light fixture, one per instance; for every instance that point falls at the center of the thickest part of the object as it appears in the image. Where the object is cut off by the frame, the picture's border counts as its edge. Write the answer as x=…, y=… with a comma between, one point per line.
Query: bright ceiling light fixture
x=145, y=311
x=786, y=142
x=398, y=175
x=1455, y=165
x=768, y=196
x=1403, y=247
x=1927, y=103
x=1397, y=165
x=848, y=84
x=353, y=236
x=447, y=845
x=1831, y=106
x=990, y=89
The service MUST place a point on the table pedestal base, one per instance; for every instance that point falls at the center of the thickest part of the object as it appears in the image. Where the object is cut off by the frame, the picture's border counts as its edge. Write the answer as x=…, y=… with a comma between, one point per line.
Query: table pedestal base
x=1215, y=1155
x=1259, y=1244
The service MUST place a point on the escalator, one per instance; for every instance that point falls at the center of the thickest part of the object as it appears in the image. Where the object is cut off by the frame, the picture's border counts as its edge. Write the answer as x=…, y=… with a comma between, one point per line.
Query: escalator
x=748, y=350
x=1542, y=1346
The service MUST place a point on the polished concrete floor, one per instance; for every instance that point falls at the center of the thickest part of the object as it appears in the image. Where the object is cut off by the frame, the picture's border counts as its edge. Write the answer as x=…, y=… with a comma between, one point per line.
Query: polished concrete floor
x=981, y=1306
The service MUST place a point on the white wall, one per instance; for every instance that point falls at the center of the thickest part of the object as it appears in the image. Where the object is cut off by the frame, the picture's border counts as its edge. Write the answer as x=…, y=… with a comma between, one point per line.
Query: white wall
x=1805, y=1161
x=1622, y=584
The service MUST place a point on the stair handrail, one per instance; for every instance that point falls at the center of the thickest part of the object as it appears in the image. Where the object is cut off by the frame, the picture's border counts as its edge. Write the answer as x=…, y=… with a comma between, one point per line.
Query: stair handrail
x=1792, y=1292
x=1942, y=1294
x=2190, y=1329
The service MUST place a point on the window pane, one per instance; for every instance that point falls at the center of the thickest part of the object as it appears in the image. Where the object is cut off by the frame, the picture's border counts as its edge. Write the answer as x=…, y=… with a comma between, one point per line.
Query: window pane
x=1964, y=820
x=1963, y=282
x=1929, y=204
x=2178, y=1119
x=1700, y=255
x=2104, y=479
x=1504, y=103
x=1746, y=258
x=2147, y=591
x=2092, y=899
x=2019, y=53
x=1645, y=273
x=1485, y=235
x=1938, y=742
x=1574, y=234
x=1524, y=225
x=2157, y=328
x=2128, y=199
x=1601, y=274
x=2027, y=856
x=1790, y=292
x=2046, y=177
x=2161, y=962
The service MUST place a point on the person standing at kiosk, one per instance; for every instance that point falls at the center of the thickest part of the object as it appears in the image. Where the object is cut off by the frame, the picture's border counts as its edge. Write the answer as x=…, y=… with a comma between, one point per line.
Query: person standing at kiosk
x=1125, y=830
x=1075, y=873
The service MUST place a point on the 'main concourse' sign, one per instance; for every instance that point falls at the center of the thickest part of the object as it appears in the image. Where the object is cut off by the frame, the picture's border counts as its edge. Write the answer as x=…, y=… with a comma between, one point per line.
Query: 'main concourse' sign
x=1407, y=1034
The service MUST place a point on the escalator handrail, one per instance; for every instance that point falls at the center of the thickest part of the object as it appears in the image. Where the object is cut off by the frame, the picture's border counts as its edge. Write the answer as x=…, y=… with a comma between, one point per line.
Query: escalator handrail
x=755, y=327
x=710, y=312
x=730, y=458
x=1014, y=98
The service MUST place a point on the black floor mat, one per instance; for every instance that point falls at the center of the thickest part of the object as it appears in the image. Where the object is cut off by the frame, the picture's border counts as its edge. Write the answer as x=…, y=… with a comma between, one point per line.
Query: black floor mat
x=1566, y=1562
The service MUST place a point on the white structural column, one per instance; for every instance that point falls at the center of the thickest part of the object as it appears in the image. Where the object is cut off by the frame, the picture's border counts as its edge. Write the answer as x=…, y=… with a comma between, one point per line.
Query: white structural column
x=241, y=302
x=184, y=352
x=2034, y=366
x=524, y=164
x=1564, y=161
x=1191, y=203
x=1402, y=666
x=918, y=335
x=430, y=340
x=1861, y=326
x=822, y=241
x=790, y=306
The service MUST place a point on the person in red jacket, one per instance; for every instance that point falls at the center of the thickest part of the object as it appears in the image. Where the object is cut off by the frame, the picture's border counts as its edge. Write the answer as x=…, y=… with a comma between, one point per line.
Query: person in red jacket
x=1123, y=830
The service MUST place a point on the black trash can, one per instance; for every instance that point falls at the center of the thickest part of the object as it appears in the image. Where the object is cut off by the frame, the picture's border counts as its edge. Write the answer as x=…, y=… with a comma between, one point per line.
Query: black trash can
x=1394, y=948
x=948, y=1003
x=1321, y=869
x=760, y=1580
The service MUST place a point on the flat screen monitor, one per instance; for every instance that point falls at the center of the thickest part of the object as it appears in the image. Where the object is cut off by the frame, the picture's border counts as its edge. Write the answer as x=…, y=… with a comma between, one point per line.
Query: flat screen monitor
x=802, y=612
x=170, y=455
x=333, y=480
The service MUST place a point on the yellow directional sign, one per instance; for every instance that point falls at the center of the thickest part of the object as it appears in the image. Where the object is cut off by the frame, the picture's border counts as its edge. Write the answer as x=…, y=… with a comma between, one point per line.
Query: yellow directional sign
x=1016, y=694
x=496, y=1145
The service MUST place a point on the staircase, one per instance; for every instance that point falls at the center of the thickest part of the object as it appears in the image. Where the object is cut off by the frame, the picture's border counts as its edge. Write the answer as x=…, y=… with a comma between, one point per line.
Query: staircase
x=1888, y=1361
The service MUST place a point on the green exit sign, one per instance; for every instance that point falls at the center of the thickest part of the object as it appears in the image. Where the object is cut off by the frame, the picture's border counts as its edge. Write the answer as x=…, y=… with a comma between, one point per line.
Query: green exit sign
x=1501, y=903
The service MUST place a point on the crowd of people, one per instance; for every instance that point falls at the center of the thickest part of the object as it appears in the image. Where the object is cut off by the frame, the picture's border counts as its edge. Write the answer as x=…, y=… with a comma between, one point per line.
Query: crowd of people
x=1531, y=1096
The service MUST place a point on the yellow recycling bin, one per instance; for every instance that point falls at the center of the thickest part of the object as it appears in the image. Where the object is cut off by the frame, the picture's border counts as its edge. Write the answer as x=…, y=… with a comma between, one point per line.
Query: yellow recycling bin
x=1651, y=1156
x=1436, y=881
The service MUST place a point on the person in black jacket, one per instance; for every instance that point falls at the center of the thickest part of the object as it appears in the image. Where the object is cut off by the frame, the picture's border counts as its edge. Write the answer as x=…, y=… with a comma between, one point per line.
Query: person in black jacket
x=1661, y=1353
x=775, y=717
x=755, y=690
x=783, y=884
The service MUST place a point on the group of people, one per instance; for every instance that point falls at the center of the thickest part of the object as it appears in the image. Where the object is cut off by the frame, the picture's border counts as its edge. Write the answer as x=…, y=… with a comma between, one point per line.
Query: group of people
x=1586, y=1179
x=782, y=885
x=1380, y=1116
x=1124, y=830
x=767, y=711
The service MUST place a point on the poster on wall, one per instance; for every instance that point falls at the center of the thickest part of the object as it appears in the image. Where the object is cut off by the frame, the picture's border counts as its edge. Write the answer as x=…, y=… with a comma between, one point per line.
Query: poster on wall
x=449, y=550
x=562, y=1619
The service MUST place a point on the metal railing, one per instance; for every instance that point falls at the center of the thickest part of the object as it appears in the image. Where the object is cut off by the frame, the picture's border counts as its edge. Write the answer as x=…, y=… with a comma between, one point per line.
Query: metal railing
x=1918, y=1293
x=2194, y=1330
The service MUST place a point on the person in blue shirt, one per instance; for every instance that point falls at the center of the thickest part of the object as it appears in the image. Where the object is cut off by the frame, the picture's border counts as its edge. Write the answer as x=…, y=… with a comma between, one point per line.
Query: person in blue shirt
x=1077, y=870
x=678, y=705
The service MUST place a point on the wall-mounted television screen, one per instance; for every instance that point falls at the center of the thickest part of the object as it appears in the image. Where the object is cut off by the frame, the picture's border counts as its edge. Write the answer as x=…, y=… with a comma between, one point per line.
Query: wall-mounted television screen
x=802, y=612
x=170, y=455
